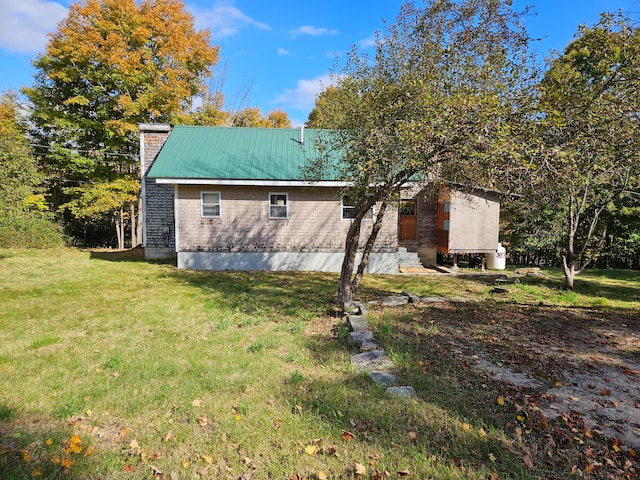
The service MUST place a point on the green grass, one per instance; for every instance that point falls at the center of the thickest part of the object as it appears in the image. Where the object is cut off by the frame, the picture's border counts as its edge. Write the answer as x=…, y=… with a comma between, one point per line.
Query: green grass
x=220, y=374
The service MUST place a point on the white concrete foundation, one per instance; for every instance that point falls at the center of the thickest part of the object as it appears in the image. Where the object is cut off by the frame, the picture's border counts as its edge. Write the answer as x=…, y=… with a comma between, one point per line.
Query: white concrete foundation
x=380, y=263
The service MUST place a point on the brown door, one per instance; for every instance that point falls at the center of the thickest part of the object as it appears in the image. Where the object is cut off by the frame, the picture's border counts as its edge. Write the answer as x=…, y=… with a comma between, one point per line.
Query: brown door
x=408, y=218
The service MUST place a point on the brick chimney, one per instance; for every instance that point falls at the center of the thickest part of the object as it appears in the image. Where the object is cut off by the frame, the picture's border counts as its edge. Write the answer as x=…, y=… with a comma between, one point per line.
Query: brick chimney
x=158, y=227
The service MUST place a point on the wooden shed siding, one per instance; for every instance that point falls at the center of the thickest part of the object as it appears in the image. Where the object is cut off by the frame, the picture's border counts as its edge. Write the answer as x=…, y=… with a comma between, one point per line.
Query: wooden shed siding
x=314, y=222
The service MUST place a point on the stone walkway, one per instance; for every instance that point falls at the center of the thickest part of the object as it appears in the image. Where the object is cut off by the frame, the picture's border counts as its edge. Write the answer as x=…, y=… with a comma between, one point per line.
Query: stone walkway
x=373, y=360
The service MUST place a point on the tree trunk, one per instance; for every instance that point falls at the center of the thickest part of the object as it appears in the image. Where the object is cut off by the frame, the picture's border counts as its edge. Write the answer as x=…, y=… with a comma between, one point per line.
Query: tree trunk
x=120, y=229
x=117, y=222
x=355, y=283
x=345, y=291
x=569, y=268
x=132, y=219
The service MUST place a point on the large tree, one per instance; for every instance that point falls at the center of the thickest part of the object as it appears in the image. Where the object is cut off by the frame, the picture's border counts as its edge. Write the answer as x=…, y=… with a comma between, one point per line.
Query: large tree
x=110, y=65
x=23, y=218
x=589, y=123
x=443, y=96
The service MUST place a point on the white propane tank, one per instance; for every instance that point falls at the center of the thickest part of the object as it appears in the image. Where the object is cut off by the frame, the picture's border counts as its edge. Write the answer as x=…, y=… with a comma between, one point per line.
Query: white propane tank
x=497, y=260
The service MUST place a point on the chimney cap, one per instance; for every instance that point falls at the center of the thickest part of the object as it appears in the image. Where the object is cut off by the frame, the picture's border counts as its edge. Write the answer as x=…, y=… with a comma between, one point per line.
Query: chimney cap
x=154, y=127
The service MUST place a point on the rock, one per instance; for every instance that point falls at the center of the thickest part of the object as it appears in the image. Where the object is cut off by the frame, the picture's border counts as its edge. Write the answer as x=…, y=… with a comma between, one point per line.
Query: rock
x=499, y=290
x=536, y=275
x=369, y=345
x=359, y=338
x=413, y=298
x=524, y=271
x=459, y=300
x=395, y=301
x=506, y=280
x=385, y=379
x=406, y=391
x=431, y=300
x=371, y=361
x=358, y=323
x=351, y=308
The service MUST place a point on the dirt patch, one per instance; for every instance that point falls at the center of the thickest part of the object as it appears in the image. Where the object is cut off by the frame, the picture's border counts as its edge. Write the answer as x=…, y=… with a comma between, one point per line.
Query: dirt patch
x=563, y=384
x=580, y=361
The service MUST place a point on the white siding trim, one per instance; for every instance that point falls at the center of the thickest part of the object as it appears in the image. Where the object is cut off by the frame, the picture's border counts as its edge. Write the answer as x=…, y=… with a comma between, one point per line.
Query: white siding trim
x=251, y=183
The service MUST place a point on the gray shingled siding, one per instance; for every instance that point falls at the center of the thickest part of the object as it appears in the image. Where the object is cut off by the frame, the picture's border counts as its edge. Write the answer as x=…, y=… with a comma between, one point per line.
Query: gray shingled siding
x=159, y=221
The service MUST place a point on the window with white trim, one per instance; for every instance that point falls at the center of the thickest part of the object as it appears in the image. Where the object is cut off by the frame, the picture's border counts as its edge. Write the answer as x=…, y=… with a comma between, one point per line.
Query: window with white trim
x=348, y=205
x=210, y=204
x=279, y=205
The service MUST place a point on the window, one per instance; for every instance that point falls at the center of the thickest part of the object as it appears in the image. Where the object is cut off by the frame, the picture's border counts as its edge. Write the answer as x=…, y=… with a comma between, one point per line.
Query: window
x=278, y=205
x=210, y=204
x=349, y=209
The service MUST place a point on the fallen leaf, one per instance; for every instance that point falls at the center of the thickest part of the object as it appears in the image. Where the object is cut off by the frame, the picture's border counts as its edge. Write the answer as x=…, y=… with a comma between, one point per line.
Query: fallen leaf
x=528, y=462
x=347, y=435
x=127, y=468
x=311, y=450
x=122, y=434
x=75, y=445
x=202, y=421
x=360, y=469
x=605, y=392
x=185, y=463
x=322, y=476
x=466, y=427
x=167, y=437
x=403, y=473
x=196, y=403
x=134, y=445
x=49, y=441
x=88, y=451
x=482, y=433
x=156, y=471
x=492, y=457
x=501, y=400
x=207, y=458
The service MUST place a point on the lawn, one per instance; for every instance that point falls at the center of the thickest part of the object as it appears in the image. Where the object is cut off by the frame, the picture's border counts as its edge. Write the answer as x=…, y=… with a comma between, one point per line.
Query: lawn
x=112, y=367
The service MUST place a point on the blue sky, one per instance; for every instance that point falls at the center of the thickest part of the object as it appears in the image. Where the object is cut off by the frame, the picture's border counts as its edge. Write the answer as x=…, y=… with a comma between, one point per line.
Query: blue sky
x=279, y=53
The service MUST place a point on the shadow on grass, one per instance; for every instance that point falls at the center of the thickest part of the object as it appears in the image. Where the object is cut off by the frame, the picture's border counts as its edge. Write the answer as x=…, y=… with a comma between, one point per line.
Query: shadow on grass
x=130, y=255
x=458, y=416
x=433, y=436
x=30, y=448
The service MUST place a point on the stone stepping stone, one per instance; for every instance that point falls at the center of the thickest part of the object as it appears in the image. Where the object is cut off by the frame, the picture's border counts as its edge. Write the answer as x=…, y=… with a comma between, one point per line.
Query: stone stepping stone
x=395, y=301
x=413, y=298
x=358, y=323
x=406, y=391
x=432, y=300
x=374, y=360
x=385, y=379
x=360, y=338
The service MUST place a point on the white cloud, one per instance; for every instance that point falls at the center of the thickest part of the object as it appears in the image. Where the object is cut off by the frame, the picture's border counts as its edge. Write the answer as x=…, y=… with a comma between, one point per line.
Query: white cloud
x=313, y=31
x=282, y=51
x=25, y=24
x=223, y=18
x=303, y=97
x=367, y=42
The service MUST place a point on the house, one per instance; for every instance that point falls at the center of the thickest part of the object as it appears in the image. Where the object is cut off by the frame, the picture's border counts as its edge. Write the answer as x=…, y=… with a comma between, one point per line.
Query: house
x=223, y=198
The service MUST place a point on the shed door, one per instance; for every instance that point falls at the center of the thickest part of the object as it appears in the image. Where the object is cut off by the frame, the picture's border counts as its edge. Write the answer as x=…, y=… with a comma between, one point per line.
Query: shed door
x=408, y=218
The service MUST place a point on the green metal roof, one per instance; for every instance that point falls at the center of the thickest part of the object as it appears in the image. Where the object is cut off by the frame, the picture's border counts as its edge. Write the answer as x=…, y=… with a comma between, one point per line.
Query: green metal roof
x=236, y=153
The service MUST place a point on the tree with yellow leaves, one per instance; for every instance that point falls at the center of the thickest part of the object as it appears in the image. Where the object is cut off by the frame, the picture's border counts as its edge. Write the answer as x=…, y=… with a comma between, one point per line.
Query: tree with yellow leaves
x=111, y=65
